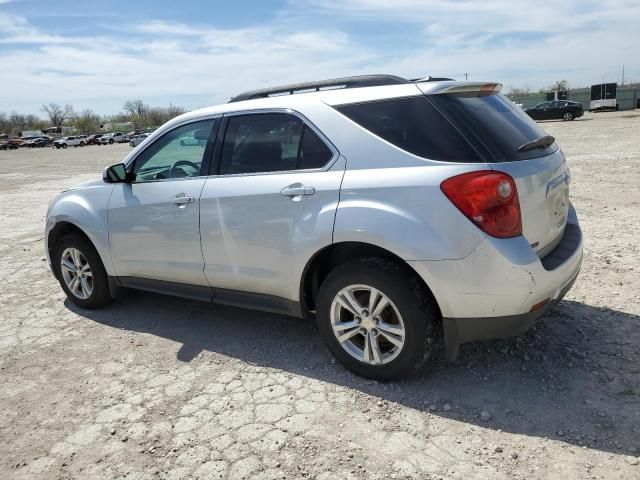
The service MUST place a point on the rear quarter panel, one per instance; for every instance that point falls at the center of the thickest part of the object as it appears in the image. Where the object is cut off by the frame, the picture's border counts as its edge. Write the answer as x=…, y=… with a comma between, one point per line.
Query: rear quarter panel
x=404, y=211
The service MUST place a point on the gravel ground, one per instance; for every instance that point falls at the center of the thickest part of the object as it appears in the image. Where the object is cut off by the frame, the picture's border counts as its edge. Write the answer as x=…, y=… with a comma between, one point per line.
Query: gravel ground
x=158, y=387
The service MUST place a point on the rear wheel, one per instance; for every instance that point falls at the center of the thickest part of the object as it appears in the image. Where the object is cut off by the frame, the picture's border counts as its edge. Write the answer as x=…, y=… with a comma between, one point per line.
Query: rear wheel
x=567, y=116
x=111, y=141
x=376, y=318
x=81, y=273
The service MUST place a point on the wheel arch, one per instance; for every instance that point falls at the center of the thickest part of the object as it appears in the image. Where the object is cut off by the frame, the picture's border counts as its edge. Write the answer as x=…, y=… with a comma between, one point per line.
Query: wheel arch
x=325, y=260
x=62, y=229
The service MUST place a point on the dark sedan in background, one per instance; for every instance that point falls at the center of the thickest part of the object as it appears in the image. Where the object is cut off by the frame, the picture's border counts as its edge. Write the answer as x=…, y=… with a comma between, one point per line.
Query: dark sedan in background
x=556, y=110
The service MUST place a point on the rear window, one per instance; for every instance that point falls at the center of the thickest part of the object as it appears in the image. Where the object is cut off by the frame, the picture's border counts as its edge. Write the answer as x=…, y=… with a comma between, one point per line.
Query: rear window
x=414, y=125
x=493, y=124
x=453, y=127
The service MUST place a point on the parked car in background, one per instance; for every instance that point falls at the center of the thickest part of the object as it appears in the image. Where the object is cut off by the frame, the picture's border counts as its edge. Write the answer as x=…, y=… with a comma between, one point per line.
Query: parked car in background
x=39, y=142
x=14, y=142
x=111, y=138
x=192, y=142
x=556, y=110
x=390, y=213
x=136, y=140
x=94, y=138
x=72, y=141
x=6, y=145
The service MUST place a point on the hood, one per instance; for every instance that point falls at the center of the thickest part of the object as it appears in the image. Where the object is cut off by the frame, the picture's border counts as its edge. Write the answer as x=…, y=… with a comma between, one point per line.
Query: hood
x=86, y=185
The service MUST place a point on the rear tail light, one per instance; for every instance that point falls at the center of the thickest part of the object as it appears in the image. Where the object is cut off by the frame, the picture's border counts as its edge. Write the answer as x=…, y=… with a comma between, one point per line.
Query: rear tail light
x=487, y=198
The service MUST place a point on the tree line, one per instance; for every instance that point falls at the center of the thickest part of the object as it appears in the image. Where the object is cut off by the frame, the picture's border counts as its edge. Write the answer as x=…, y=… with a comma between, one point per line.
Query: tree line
x=87, y=121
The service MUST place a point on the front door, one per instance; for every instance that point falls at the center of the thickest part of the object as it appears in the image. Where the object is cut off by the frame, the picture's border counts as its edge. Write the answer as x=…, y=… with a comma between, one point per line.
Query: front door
x=270, y=205
x=154, y=220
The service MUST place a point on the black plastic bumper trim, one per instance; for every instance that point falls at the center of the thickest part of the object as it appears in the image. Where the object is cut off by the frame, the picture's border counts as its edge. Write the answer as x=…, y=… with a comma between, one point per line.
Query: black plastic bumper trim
x=461, y=330
x=565, y=249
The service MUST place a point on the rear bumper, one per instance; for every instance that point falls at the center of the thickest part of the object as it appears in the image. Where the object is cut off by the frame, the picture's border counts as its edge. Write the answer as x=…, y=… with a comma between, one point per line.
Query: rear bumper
x=496, y=291
x=461, y=330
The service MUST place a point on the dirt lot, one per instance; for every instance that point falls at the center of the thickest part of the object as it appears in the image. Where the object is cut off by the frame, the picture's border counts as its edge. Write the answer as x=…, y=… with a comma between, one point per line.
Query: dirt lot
x=158, y=387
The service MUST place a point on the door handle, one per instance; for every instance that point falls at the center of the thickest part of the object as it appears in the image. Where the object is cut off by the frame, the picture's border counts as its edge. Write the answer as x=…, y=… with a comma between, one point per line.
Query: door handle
x=183, y=199
x=296, y=190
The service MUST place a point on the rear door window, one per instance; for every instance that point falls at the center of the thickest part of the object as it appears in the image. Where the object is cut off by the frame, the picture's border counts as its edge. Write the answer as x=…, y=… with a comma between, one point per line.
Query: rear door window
x=271, y=142
x=415, y=125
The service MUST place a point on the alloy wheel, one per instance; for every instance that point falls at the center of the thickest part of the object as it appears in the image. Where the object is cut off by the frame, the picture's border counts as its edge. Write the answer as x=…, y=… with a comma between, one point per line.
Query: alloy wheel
x=367, y=324
x=76, y=273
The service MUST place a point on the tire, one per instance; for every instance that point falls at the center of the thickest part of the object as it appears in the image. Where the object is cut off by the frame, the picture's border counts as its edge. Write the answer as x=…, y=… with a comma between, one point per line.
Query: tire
x=567, y=116
x=111, y=141
x=82, y=144
x=99, y=295
x=418, y=318
x=64, y=145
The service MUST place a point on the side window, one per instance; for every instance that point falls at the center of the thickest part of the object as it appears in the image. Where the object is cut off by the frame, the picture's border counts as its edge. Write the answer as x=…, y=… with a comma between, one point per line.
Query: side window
x=314, y=153
x=177, y=154
x=271, y=142
x=414, y=125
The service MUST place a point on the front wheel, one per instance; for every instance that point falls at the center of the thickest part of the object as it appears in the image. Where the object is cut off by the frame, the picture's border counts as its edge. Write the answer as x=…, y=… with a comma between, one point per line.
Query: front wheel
x=81, y=273
x=568, y=116
x=376, y=318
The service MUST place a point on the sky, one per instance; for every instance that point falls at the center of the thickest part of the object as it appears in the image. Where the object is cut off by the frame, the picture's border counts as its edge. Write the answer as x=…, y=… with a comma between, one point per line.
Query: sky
x=98, y=55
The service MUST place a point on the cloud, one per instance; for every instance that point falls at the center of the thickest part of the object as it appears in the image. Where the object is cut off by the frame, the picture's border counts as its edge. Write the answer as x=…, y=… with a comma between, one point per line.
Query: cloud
x=194, y=65
x=160, y=60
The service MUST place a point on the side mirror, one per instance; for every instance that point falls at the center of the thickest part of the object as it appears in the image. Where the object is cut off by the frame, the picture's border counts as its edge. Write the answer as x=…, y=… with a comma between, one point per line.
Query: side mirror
x=115, y=174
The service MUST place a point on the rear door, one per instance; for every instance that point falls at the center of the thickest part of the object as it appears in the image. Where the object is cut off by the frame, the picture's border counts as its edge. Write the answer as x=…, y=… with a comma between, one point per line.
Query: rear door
x=498, y=130
x=270, y=204
x=555, y=110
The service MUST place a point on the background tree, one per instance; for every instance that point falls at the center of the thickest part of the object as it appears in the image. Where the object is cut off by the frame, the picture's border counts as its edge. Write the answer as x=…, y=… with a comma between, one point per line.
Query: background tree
x=136, y=108
x=559, y=85
x=18, y=120
x=88, y=121
x=137, y=112
x=58, y=114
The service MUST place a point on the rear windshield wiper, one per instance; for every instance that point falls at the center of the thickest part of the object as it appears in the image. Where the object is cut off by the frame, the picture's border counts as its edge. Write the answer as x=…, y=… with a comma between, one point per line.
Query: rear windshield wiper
x=541, y=142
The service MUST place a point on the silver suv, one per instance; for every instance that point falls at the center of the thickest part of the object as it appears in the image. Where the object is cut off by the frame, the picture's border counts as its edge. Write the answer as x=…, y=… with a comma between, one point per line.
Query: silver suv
x=401, y=214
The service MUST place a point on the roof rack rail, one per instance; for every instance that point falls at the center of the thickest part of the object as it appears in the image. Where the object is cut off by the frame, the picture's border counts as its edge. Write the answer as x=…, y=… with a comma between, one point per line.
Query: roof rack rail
x=335, y=83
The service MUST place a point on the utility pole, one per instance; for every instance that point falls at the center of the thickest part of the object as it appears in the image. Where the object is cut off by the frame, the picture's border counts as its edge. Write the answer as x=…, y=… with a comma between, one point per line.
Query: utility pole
x=466, y=76
x=622, y=83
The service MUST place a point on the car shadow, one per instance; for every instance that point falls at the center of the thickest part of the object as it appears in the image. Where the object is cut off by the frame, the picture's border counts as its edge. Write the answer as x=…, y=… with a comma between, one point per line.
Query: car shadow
x=573, y=377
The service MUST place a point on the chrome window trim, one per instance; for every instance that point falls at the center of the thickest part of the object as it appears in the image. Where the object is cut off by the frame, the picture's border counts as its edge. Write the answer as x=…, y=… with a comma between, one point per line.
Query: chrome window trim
x=306, y=121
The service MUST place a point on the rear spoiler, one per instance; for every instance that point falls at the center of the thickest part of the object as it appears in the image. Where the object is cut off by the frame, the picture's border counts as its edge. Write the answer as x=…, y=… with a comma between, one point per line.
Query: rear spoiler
x=459, y=87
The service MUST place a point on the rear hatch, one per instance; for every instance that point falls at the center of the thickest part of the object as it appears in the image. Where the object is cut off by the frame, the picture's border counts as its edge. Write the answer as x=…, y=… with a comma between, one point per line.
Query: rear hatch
x=508, y=140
